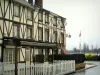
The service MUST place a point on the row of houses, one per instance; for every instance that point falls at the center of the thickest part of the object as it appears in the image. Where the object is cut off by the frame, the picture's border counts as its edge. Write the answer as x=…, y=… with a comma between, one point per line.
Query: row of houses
x=27, y=29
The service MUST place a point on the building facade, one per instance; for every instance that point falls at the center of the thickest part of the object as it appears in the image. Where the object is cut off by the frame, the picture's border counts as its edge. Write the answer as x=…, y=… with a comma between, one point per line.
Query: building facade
x=27, y=30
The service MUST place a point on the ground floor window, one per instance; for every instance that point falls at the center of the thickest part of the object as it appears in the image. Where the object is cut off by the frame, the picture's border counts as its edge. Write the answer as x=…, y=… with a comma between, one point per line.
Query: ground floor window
x=46, y=54
x=9, y=55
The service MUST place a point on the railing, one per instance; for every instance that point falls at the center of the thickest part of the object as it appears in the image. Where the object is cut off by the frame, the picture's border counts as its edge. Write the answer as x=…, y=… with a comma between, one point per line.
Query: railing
x=57, y=68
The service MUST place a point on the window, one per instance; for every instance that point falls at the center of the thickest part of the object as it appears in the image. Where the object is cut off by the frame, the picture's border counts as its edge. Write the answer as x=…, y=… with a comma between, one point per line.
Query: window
x=55, y=21
x=46, y=58
x=40, y=16
x=47, y=35
x=16, y=10
x=62, y=23
x=62, y=37
x=16, y=30
x=55, y=36
x=46, y=17
x=27, y=54
x=40, y=34
x=29, y=32
x=9, y=55
x=40, y=51
x=29, y=15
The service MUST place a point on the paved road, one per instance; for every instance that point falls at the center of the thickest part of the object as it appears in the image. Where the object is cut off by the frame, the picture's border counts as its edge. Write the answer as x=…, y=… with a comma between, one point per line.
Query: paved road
x=91, y=71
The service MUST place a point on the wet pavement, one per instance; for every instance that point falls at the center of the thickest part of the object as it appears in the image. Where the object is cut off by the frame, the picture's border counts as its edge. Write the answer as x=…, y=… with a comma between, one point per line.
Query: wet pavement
x=90, y=71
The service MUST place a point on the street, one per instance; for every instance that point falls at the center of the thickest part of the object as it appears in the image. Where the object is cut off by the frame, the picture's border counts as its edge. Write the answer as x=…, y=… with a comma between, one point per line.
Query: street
x=91, y=71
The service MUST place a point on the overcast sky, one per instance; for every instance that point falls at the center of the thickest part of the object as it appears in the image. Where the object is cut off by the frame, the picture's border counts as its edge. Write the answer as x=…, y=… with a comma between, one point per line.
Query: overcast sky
x=81, y=15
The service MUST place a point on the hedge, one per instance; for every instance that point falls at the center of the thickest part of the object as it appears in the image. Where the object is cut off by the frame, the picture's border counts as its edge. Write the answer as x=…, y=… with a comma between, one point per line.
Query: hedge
x=79, y=58
x=92, y=57
x=39, y=58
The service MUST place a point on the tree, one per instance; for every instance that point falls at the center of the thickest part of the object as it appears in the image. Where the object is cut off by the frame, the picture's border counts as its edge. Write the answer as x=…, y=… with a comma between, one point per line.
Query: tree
x=85, y=47
x=75, y=50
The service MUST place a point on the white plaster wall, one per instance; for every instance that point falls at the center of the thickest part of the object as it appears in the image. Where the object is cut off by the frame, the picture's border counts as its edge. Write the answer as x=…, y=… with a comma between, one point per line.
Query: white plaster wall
x=21, y=56
x=2, y=6
x=35, y=20
x=36, y=16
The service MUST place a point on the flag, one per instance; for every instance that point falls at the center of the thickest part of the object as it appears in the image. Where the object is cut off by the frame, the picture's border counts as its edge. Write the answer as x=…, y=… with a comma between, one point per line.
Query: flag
x=80, y=34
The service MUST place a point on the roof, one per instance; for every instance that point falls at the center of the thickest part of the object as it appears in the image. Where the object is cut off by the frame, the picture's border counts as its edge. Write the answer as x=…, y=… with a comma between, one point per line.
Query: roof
x=25, y=3
x=54, y=13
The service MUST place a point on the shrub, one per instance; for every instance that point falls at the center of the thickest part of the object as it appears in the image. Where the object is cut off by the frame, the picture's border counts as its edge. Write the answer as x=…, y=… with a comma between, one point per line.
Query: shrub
x=89, y=56
x=92, y=57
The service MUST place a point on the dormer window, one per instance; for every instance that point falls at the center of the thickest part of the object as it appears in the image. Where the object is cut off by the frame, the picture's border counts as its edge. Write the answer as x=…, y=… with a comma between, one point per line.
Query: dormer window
x=29, y=14
x=16, y=10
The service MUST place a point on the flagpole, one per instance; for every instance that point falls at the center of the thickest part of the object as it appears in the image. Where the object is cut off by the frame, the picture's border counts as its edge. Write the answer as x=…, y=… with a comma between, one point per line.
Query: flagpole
x=80, y=45
x=80, y=42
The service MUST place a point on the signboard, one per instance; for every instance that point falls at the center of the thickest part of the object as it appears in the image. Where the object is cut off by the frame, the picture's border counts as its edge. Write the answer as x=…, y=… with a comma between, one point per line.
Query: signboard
x=13, y=41
x=8, y=42
x=36, y=44
x=19, y=42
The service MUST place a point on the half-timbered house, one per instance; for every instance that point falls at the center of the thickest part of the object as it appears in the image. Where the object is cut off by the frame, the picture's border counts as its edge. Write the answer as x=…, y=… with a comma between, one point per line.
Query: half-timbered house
x=27, y=29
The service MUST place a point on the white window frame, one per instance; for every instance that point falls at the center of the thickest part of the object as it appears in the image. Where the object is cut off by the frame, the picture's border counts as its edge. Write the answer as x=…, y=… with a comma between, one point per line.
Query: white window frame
x=55, y=36
x=55, y=21
x=62, y=23
x=29, y=35
x=29, y=14
x=17, y=29
x=40, y=16
x=40, y=34
x=7, y=57
x=16, y=12
x=27, y=55
x=47, y=35
x=46, y=17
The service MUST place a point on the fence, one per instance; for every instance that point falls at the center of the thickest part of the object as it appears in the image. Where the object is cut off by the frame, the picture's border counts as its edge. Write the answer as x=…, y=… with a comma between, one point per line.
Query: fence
x=57, y=68
x=7, y=69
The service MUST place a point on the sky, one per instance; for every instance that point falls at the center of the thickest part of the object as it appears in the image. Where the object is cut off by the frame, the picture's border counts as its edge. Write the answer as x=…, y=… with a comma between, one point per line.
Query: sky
x=81, y=15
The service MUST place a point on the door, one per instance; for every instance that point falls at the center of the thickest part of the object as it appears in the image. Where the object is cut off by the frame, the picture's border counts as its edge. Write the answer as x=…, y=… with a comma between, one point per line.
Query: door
x=9, y=60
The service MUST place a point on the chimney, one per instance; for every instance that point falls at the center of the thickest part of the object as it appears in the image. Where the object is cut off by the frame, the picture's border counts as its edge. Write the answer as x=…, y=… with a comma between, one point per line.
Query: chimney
x=39, y=3
x=30, y=2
